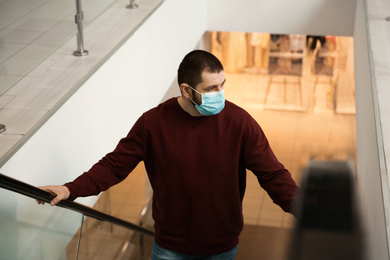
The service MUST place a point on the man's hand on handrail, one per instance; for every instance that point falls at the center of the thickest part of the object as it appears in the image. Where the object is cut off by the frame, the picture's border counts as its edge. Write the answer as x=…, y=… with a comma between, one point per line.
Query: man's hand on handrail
x=61, y=192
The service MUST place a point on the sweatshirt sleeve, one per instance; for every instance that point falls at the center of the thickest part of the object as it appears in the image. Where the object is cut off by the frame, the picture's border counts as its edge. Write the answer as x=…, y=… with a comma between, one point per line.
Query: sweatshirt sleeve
x=271, y=174
x=112, y=168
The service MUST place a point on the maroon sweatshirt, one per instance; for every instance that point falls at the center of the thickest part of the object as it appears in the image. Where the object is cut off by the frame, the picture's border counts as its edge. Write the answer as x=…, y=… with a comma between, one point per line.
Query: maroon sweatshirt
x=197, y=169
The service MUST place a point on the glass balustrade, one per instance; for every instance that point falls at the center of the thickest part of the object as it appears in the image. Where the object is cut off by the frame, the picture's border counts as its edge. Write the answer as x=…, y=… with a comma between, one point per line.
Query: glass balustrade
x=32, y=231
x=104, y=240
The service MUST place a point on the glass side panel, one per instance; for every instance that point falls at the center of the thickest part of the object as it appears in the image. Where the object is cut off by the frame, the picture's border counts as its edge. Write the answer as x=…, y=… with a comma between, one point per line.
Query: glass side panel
x=99, y=240
x=142, y=244
x=103, y=240
x=32, y=231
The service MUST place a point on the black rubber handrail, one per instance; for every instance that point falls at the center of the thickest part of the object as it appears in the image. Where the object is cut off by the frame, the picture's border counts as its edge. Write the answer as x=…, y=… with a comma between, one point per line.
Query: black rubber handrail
x=329, y=224
x=39, y=194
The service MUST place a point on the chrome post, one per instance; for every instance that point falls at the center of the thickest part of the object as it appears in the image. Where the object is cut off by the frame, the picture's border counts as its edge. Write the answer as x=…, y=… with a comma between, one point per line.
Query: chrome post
x=79, y=17
x=2, y=128
x=132, y=5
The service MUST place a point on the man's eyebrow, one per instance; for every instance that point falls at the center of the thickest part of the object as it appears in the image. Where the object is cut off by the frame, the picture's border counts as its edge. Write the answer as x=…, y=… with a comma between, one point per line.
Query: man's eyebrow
x=213, y=86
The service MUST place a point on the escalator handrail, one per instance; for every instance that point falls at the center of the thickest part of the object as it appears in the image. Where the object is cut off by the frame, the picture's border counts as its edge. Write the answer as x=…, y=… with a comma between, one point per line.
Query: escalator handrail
x=39, y=194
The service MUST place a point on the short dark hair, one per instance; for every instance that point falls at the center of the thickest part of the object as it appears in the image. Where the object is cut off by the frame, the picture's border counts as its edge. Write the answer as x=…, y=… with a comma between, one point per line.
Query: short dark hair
x=194, y=63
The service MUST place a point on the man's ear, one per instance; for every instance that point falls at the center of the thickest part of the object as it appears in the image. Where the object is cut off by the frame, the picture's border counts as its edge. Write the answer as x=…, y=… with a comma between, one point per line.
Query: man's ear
x=186, y=90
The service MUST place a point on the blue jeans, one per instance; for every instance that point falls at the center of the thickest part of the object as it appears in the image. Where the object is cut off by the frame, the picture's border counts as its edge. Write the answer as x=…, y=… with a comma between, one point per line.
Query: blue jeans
x=159, y=253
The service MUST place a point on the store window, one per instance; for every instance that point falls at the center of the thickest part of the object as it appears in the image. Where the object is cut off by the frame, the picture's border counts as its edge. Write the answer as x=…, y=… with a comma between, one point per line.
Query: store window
x=313, y=72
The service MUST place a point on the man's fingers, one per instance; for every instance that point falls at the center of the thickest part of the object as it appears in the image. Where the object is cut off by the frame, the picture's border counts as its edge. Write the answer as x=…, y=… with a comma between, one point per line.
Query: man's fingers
x=61, y=192
x=55, y=201
x=40, y=202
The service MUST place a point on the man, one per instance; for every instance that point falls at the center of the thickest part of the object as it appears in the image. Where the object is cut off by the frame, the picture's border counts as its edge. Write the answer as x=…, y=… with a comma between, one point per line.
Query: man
x=196, y=149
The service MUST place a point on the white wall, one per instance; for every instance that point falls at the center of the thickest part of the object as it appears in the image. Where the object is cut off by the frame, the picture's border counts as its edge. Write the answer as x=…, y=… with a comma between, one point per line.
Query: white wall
x=369, y=143
x=103, y=110
x=327, y=17
x=318, y=17
x=89, y=125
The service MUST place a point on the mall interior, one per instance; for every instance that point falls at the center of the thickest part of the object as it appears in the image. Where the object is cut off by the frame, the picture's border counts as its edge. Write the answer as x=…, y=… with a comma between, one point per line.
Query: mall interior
x=313, y=74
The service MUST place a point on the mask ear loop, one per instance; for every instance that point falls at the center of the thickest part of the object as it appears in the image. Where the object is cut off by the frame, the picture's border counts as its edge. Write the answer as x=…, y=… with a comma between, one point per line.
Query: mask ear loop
x=193, y=92
x=194, y=89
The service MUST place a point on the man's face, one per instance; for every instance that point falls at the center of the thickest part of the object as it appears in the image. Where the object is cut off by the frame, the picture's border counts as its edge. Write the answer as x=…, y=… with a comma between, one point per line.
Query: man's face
x=211, y=82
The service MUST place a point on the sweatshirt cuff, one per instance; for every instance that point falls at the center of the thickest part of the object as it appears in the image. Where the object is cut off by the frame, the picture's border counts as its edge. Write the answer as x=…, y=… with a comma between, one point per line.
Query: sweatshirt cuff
x=72, y=189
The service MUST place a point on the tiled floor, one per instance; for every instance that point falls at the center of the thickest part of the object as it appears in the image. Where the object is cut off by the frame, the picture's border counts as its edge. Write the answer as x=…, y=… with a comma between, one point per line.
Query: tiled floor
x=38, y=71
x=317, y=129
x=30, y=31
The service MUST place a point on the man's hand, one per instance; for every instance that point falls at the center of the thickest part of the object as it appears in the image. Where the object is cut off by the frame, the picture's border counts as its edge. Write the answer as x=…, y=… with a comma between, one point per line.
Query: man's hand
x=62, y=193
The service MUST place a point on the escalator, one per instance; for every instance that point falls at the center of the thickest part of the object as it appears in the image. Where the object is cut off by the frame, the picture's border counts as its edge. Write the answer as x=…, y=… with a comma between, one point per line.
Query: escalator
x=68, y=231
x=328, y=225
x=328, y=222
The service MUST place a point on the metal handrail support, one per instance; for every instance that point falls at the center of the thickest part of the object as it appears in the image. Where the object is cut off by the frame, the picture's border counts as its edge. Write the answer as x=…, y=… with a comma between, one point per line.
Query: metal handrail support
x=79, y=17
x=132, y=5
x=141, y=221
x=79, y=239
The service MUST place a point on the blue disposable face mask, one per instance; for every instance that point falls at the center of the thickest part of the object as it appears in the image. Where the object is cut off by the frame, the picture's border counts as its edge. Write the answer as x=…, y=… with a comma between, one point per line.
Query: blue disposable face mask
x=212, y=102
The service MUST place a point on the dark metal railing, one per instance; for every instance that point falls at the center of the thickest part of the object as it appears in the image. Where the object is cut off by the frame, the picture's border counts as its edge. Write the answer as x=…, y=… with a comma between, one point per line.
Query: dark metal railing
x=328, y=224
x=39, y=194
